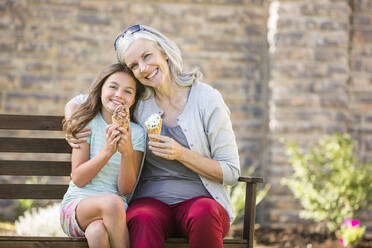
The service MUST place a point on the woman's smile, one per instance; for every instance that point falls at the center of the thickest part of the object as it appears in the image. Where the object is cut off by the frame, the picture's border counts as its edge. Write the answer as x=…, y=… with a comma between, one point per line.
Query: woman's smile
x=152, y=75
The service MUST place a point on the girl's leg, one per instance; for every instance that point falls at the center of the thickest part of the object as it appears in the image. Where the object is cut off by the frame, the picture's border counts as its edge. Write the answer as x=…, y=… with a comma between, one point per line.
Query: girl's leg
x=149, y=223
x=97, y=235
x=111, y=211
x=203, y=220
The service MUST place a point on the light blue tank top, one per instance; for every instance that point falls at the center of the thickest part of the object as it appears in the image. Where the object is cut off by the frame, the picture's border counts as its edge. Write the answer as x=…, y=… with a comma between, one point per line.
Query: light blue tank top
x=105, y=182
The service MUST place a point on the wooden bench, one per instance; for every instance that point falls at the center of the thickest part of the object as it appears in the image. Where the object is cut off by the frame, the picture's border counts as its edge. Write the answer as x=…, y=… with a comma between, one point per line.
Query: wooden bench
x=36, y=142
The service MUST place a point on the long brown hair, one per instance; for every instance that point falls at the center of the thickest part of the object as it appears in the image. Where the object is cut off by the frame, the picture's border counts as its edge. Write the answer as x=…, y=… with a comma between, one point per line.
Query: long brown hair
x=90, y=108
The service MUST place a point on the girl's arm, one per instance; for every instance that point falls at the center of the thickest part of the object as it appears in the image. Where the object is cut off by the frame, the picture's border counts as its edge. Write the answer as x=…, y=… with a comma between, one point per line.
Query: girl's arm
x=130, y=163
x=83, y=168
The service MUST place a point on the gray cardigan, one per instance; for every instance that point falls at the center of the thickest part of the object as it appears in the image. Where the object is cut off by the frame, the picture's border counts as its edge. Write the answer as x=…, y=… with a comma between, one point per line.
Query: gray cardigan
x=206, y=124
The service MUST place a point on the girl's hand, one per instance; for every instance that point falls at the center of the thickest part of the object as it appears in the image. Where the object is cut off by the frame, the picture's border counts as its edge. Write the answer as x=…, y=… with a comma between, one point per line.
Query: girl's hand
x=112, y=138
x=125, y=143
x=166, y=147
x=81, y=137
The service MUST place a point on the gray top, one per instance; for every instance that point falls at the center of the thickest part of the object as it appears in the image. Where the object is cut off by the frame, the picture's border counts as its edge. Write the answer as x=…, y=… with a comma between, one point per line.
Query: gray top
x=168, y=180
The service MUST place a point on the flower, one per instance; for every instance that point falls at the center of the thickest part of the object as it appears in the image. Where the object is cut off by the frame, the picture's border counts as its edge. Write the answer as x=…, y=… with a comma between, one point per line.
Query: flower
x=351, y=232
x=351, y=222
x=341, y=241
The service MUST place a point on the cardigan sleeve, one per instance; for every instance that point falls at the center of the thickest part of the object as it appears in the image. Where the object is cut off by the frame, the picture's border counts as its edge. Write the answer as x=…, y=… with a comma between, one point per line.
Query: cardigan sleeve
x=221, y=137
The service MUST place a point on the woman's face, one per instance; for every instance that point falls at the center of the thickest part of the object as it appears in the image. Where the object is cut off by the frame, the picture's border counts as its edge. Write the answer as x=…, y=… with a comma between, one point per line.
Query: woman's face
x=147, y=62
x=119, y=88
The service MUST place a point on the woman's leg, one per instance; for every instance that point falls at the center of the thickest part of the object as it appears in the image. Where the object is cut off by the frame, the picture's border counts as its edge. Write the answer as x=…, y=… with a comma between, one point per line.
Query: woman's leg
x=203, y=220
x=149, y=223
x=110, y=210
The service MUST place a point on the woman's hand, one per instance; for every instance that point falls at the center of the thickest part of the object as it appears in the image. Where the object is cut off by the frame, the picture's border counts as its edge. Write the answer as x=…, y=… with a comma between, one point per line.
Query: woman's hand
x=166, y=147
x=81, y=137
x=112, y=138
x=125, y=142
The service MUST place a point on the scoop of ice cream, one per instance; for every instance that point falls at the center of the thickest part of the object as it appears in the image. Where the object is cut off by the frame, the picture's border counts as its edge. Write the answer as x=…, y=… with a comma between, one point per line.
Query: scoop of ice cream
x=153, y=121
x=121, y=115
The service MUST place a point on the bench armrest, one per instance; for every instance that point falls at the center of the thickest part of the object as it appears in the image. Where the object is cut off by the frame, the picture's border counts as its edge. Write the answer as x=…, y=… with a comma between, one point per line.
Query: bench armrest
x=250, y=207
x=251, y=179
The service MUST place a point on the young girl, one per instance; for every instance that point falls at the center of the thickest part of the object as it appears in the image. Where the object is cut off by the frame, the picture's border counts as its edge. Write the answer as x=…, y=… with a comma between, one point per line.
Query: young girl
x=105, y=168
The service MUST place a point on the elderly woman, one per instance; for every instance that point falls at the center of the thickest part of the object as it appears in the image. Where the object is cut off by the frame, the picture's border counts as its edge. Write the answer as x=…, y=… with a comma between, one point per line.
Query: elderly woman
x=180, y=190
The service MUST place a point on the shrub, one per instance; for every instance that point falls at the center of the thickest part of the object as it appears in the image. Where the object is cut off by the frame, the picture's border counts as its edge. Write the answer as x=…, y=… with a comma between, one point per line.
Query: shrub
x=40, y=222
x=329, y=182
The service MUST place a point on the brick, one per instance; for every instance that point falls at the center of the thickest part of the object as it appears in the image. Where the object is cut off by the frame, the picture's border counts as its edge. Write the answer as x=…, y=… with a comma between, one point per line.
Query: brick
x=299, y=70
x=36, y=66
x=311, y=23
x=368, y=118
x=334, y=39
x=362, y=21
x=93, y=19
x=362, y=96
x=287, y=53
x=361, y=50
x=338, y=101
x=327, y=54
x=330, y=86
x=324, y=9
x=8, y=81
x=361, y=65
x=362, y=5
x=39, y=82
x=7, y=47
x=369, y=143
x=290, y=38
x=362, y=36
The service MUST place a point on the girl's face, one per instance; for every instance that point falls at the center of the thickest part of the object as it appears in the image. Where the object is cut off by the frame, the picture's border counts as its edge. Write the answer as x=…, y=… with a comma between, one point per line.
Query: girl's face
x=147, y=62
x=119, y=88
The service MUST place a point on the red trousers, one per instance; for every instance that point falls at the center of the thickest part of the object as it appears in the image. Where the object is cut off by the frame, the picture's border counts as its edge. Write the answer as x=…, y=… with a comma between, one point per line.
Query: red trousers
x=201, y=219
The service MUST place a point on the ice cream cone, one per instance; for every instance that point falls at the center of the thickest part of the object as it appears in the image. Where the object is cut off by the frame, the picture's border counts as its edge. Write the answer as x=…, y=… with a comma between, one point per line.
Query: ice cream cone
x=121, y=116
x=156, y=130
x=153, y=125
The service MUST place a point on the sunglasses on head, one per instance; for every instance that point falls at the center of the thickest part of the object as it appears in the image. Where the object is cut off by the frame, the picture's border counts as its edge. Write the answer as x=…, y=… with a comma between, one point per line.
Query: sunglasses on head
x=130, y=30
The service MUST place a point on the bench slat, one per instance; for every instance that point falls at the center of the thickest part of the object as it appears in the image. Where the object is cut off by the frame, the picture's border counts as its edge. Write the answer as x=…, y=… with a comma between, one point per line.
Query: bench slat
x=32, y=191
x=34, y=145
x=35, y=168
x=44, y=244
x=18, y=241
x=31, y=122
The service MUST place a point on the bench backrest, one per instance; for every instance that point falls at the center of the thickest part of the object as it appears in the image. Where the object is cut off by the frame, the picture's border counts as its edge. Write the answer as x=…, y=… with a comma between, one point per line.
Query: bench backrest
x=35, y=142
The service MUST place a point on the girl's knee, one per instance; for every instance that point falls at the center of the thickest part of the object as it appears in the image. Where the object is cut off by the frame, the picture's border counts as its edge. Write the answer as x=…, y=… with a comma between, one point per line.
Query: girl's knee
x=96, y=230
x=114, y=205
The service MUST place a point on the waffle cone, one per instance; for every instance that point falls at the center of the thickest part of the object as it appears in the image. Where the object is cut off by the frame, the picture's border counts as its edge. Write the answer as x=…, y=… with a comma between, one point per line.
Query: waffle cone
x=156, y=130
x=123, y=124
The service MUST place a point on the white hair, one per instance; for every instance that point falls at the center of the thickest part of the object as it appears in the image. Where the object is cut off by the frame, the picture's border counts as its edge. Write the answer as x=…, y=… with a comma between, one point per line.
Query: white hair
x=175, y=61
